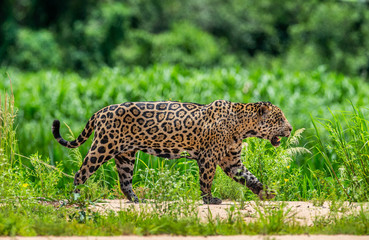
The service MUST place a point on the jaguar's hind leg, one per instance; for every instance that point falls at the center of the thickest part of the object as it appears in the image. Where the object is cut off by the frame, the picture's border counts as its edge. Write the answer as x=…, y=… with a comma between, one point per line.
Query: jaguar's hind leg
x=207, y=169
x=125, y=163
x=96, y=156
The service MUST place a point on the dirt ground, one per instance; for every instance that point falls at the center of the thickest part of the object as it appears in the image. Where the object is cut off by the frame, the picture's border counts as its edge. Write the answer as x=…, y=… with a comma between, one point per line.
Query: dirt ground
x=302, y=212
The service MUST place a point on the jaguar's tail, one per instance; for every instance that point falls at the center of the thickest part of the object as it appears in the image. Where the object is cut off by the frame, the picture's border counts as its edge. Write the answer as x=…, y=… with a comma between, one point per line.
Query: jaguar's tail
x=90, y=126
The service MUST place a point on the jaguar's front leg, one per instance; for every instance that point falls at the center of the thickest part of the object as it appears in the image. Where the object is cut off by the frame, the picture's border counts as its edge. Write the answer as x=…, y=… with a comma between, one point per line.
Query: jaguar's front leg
x=234, y=168
x=207, y=169
x=245, y=177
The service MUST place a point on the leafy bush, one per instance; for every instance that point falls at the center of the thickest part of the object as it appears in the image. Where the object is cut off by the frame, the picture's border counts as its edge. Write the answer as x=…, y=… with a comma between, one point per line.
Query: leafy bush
x=90, y=43
x=35, y=50
x=299, y=34
x=183, y=44
x=344, y=49
x=187, y=45
x=136, y=50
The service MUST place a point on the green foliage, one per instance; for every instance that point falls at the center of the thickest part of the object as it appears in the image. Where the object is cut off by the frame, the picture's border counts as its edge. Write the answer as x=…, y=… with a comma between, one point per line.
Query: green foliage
x=300, y=35
x=11, y=178
x=169, y=180
x=35, y=50
x=348, y=143
x=137, y=50
x=340, y=50
x=92, y=42
x=274, y=166
x=8, y=142
x=185, y=44
x=44, y=178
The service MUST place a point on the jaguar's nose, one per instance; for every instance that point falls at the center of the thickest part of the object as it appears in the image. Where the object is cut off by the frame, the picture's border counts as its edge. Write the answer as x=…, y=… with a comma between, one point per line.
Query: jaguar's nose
x=288, y=130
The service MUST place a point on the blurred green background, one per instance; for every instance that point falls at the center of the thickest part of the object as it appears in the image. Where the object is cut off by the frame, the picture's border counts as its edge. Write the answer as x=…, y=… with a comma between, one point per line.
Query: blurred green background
x=83, y=36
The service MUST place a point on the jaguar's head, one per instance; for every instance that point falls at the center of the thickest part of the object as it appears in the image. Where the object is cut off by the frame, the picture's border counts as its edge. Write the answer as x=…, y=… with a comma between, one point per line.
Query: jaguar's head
x=266, y=121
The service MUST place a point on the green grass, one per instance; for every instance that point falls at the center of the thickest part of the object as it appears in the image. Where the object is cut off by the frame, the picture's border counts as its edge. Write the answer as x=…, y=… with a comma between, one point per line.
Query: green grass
x=327, y=161
x=349, y=138
x=32, y=219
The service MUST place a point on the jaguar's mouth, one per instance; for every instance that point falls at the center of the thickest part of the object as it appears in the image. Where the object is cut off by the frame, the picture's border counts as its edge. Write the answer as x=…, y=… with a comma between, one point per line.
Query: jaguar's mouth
x=276, y=141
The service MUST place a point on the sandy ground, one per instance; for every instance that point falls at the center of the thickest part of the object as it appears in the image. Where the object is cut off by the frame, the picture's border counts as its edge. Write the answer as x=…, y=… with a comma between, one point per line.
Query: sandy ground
x=301, y=212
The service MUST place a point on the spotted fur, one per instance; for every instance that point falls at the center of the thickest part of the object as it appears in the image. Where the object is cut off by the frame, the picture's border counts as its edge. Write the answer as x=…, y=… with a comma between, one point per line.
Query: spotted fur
x=210, y=134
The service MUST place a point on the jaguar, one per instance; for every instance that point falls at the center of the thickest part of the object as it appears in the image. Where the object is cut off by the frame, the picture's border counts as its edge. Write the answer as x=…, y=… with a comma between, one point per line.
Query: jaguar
x=210, y=134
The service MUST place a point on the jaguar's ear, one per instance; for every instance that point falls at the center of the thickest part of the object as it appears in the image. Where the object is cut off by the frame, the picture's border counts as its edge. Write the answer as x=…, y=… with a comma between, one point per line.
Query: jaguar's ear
x=264, y=109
